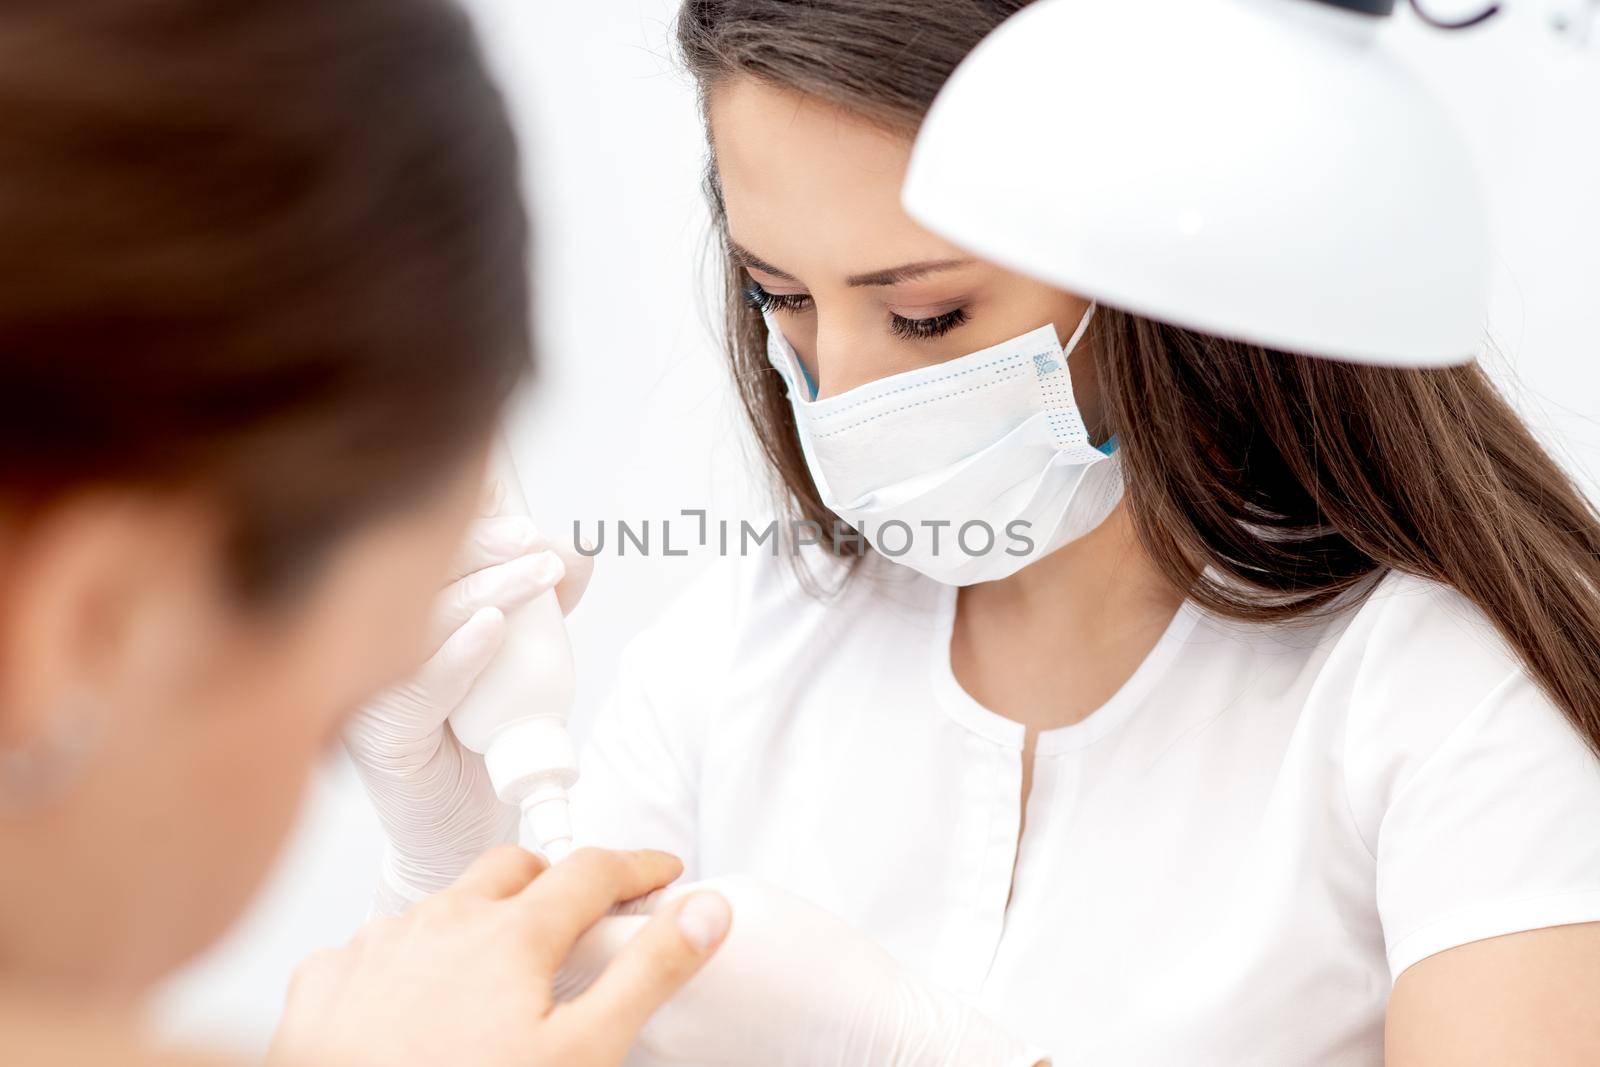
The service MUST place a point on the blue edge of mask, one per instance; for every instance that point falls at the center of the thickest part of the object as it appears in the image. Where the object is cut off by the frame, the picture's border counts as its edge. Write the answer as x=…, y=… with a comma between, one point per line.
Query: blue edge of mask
x=1109, y=447
x=811, y=383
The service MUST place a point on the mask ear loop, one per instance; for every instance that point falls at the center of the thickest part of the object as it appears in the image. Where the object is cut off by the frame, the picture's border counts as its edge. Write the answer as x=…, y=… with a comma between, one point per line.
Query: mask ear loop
x=1462, y=24
x=1083, y=328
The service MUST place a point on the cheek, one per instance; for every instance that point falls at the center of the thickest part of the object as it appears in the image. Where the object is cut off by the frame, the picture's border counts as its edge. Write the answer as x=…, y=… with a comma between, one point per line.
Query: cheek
x=362, y=645
x=218, y=788
x=260, y=754
x=294, y=699
x=259, y=771
x=266, y=728
x=358, y=638
x=368, y=625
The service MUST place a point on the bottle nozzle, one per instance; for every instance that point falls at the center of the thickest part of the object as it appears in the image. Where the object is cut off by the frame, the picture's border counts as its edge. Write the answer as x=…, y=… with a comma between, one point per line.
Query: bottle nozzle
x=547, y=820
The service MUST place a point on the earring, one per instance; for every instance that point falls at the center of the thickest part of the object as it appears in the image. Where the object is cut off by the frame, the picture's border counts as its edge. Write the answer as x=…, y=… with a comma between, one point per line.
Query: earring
x=44, y=768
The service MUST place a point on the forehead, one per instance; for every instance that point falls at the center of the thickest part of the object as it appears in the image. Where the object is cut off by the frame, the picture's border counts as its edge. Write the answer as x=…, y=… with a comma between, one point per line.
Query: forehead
x=806, y=182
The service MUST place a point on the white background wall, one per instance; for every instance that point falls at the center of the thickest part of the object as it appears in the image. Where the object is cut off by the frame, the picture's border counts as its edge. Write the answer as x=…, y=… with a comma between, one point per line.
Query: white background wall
x=632, y=417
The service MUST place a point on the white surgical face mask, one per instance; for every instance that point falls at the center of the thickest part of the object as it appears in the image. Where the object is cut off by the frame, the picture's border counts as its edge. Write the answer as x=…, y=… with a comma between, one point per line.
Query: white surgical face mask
x=966, y=470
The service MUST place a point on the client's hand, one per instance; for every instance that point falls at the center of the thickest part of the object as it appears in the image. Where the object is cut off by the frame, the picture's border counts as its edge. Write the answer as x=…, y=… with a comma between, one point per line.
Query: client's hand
x=794, y=986
x=432, y=795
x=466, y=976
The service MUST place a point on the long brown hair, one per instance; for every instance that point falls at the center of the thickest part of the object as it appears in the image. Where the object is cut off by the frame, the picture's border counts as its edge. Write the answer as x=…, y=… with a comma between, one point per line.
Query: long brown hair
x=1296, y=481
x=269, y=251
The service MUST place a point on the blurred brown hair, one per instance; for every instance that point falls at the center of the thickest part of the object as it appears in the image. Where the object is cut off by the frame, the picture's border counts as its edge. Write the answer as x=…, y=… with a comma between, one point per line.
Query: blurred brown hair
x=1298, y=482
x=270, y=249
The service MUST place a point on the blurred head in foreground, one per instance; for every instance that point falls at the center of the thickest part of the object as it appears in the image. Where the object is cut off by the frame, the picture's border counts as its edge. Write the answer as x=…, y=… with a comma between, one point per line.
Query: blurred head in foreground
x=262, y=292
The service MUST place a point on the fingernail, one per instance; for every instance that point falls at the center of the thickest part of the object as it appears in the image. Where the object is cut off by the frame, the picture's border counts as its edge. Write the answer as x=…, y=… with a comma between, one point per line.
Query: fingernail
x=482, y=616
x=514, y=533
x=548, y=568
x=496, y=497
x=704, y=920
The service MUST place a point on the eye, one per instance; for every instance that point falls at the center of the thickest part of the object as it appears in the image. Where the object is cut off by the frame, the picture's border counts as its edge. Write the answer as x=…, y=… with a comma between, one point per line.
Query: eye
x=767, y=303
x=922, y=329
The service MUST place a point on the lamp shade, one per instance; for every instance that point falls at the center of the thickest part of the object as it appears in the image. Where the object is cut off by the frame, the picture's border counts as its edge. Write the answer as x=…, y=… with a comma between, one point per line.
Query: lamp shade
x=1264, y=170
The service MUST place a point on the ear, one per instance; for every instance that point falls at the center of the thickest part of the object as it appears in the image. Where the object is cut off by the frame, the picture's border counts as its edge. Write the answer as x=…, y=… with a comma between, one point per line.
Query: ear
x=100, y=593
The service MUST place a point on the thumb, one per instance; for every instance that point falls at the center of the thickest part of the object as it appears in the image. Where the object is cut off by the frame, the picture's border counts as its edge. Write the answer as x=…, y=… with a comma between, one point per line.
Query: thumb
x=443, y=681
x=655, y=964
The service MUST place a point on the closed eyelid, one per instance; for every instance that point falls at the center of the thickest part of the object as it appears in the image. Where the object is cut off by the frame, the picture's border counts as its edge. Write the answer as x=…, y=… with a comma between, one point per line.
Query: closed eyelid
x=926, y=309
x=786, y=289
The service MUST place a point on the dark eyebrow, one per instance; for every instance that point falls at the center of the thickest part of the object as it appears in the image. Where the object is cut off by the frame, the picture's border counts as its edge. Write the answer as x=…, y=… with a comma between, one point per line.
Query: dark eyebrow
x=749, y=259
x=892, y=276
x=906, y=272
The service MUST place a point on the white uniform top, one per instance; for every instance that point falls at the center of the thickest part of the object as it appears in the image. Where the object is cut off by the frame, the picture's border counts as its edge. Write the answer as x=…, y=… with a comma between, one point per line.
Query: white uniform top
x=1227, y=863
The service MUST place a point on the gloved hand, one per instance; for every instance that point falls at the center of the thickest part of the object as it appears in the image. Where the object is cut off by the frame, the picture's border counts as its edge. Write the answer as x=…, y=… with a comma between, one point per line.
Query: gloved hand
x=794, y=986
x=433, y=796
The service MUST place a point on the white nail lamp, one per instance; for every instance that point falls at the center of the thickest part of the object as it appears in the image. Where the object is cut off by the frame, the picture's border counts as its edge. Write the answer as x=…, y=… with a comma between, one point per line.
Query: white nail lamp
x=1260, y=169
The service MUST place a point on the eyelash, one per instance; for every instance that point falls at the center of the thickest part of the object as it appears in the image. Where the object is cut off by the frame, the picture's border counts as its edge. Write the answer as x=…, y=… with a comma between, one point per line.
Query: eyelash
x=923, y=329
x=767, y=303
x=758, y=299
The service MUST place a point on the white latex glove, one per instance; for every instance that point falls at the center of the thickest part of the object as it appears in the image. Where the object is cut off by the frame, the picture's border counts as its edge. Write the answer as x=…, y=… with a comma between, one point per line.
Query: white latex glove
x=794, y=986
x=433, y=796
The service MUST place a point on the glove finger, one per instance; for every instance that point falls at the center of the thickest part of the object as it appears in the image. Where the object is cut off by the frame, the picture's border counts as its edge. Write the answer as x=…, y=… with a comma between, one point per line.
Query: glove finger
x=593, y=953
x=648, y=904
x=652, y=966
x=582, y=888
x=500, y=873
x=499, y=539
x=444, y=680
x=502, y=538
x=504, y=586
x=579, y=569
x=492, y=498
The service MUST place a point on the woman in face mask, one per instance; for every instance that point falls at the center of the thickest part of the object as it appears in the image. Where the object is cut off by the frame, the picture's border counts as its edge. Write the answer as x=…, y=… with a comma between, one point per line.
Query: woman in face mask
x=1173, y=699
x=262, y=294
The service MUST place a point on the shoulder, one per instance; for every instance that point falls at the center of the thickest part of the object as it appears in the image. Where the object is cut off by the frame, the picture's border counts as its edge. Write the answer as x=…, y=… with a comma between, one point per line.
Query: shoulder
x=1415, y=661
x=1418, y=643
x=1472, y=791
x=1410, y=654
x=1432, y=691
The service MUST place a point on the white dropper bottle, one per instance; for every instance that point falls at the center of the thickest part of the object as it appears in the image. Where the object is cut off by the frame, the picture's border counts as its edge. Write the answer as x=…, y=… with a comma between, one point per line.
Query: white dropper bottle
x=516, y=712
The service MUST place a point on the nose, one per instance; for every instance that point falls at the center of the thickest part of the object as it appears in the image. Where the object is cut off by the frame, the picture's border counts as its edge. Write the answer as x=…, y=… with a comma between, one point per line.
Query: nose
x=844, y=355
